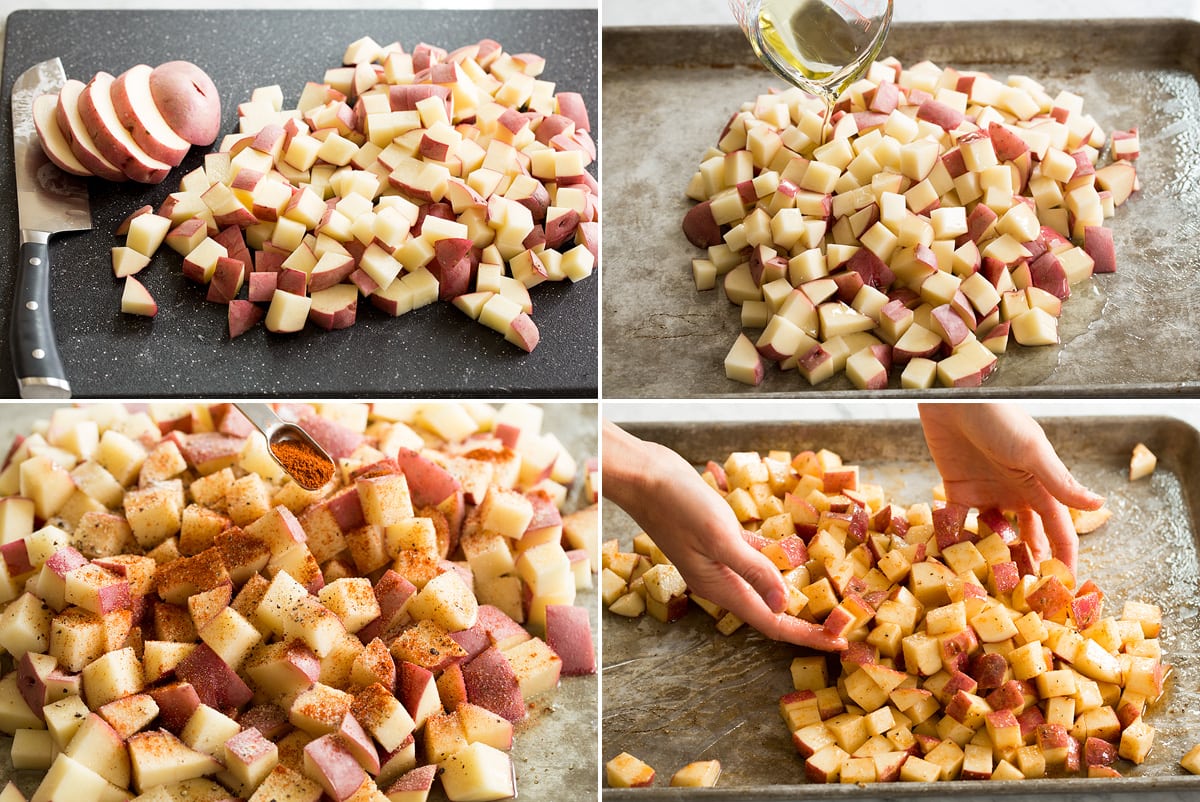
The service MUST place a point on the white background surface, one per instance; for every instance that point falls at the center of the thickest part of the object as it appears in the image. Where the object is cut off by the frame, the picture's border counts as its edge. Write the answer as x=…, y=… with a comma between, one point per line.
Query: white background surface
x=716, y=12
x=9, y=6
x=658, y=411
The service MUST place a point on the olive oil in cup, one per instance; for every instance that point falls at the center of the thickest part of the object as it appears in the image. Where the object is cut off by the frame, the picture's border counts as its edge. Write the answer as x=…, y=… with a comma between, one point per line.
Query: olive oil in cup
x=820, y=46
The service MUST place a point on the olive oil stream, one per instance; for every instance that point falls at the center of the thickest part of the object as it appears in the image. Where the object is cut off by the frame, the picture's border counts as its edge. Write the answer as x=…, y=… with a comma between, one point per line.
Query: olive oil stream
x=822, y=46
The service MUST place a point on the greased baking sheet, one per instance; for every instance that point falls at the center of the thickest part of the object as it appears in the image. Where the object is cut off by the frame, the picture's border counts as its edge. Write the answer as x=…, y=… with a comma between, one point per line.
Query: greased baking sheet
x=554, y=750
x=668, y=93
x=676, y=693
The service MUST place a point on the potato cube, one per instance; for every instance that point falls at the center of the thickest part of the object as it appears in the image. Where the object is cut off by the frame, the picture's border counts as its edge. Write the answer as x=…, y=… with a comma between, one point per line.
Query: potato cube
x=231, y=636
x=626, y=771
x=154, y=512
x=1142, y=463
x=477, y=771
x=536, y=665
x=447, y=601
x=385, y=499
x=700, y=774
x=505, y=512
x=1191, y=761
x=112, y=676
x=1136, y=741
x=352, y=600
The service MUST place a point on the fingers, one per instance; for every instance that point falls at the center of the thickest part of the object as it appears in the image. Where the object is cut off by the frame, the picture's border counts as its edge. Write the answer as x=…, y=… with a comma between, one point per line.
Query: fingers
x=739, y=598
x=759, y=572
x=1059, y=532
x=804, y=633
x=1055, y=477
x=1032, y=532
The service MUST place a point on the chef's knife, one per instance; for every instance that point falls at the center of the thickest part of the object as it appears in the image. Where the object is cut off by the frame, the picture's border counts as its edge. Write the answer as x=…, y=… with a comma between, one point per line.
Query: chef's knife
x=48, y=201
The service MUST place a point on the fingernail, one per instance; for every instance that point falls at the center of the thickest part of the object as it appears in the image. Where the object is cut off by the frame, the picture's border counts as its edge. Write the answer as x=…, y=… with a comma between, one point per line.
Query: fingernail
x=777, y=601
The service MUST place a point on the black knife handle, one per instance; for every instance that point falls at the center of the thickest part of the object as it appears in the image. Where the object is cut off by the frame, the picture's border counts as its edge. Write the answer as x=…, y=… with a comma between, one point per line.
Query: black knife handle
x=39, y=370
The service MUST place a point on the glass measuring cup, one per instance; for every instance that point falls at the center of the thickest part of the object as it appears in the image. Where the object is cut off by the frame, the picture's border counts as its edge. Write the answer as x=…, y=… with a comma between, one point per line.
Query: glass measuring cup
x=820, y=46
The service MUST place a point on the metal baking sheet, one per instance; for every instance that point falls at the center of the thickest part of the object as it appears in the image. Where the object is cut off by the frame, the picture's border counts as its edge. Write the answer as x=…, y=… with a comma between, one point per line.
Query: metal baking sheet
x=675, y=693
x=186, y=351
x=554, y=751
x=668, y=92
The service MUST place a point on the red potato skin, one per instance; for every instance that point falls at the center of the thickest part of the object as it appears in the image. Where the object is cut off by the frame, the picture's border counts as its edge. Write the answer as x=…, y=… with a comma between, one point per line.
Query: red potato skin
x=569, y=634
x=324, y=279
x=188, y=100
x=95, y=106
x=336, y=769
x=43, y=122
x=72, y=127
x=419, y=779
x=243, y=316
x=525, y=332
x=215, y=682
x=430, y=484
x=330, y=319
x=491, y=684
x=700, y=226
x=170, y=152
x=176, y=703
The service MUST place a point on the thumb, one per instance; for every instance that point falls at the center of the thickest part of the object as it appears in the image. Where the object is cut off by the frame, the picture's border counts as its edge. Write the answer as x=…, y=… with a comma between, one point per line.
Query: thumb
x=758, y=571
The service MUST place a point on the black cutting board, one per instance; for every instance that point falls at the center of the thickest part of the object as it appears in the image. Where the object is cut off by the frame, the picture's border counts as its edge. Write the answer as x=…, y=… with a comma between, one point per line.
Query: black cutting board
x=185, y=351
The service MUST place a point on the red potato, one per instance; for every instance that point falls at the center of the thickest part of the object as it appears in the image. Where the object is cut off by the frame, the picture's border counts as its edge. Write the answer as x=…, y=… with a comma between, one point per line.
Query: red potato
x=334, y=307
x=569, y=634
x=701, y=227
x=1098, y=243
x=331, y=269
x=137, y=300
x=491, y=684
x=243, y=316
x=215, y=682
x=188, y=101
x=337, y=440
x=70, y=122
x=453, y=279
x=359, y=744
x=414, y=784
x=113, y=140
x=54, y=142
x=137, y=111
x=429, y=483
x=263, y=286
x=226, y=280
x=570, y=104
x=330, y=763
x=210, y=451
x=176, y=703
x=940, y=114
x=123, y=228
x=523, y=333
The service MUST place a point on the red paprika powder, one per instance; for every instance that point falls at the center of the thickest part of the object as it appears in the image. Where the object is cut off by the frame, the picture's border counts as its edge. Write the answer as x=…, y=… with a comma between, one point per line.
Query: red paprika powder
x=310, y=468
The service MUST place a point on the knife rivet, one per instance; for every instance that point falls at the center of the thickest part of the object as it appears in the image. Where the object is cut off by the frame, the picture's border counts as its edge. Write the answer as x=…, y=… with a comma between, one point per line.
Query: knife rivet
x=31, y=306
x=38, y=353
x=35, y=261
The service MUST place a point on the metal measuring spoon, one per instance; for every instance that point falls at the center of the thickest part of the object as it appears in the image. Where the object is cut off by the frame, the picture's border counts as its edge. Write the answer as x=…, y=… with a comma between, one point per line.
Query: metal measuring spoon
x=278, y=431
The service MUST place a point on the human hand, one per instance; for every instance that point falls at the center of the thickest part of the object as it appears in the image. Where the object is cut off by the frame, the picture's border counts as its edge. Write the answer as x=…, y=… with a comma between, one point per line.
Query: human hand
x=996, y=455
x=698, y=531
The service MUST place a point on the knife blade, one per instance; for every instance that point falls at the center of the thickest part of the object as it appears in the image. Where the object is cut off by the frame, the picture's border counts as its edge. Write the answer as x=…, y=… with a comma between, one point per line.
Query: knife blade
x=49, y=201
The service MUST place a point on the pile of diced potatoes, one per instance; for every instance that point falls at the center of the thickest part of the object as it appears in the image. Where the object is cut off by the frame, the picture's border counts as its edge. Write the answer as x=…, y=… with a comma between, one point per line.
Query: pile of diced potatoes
x=401, y=179
x=966, y=659
x=182, y=620
x=942, y=216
